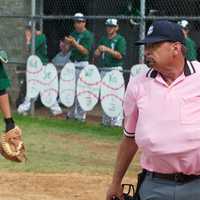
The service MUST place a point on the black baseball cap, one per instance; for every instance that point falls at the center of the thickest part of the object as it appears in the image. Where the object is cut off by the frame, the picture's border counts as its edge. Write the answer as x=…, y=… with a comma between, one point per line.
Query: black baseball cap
x=37, y=25
x=161, y=31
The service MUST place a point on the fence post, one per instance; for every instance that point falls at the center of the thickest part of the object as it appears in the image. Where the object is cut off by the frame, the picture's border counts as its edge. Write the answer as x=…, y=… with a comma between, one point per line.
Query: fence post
x=142, y=29
x=33, y=12
x=41, y=14
x=33, y=8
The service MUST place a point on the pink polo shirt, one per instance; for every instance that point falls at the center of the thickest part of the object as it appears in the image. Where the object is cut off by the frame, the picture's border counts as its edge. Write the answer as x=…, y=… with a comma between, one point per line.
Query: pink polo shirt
x=165, y=120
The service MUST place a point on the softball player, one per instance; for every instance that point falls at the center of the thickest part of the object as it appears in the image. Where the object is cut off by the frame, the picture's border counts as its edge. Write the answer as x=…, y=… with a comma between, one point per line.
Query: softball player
x=112, y=50
x=80, y=41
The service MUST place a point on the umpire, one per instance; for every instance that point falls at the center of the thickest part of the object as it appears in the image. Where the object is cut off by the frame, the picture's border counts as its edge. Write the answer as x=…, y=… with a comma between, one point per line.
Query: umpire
x=162, y=119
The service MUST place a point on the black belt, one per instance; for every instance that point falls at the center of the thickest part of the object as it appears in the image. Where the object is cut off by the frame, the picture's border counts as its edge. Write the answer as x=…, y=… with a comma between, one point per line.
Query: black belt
x=176, y=177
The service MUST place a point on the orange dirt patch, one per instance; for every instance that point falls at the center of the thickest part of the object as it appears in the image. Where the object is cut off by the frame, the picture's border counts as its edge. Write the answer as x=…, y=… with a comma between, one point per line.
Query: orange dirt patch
x=67, y=186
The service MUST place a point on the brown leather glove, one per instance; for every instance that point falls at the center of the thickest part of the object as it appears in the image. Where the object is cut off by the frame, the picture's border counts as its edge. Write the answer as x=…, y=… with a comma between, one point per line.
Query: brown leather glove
x=11, y=145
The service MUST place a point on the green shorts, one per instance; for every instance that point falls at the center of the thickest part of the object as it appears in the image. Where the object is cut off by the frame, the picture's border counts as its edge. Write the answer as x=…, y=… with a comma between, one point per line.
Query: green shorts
x=4, y=80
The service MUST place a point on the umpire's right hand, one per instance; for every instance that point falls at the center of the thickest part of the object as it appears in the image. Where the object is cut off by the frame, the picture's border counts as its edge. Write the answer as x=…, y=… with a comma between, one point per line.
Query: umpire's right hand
x=115, y=191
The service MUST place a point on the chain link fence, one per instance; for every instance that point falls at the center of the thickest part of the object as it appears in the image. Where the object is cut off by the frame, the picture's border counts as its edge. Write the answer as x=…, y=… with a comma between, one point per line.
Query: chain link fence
x=55, y=18
x=97, y=11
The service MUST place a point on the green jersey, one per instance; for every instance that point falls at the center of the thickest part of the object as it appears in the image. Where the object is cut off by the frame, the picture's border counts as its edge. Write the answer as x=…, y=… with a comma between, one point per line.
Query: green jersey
x=85, y=39
x=191, y=53
x=4, y=81
x=117, y=43
x=41, y=48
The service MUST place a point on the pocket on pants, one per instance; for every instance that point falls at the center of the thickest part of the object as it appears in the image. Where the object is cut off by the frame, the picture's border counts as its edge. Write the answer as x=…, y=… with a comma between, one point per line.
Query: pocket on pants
x=156, y=190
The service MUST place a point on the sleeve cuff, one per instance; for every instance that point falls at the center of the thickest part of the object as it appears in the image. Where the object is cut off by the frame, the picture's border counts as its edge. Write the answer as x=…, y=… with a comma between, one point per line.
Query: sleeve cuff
x=126, y=133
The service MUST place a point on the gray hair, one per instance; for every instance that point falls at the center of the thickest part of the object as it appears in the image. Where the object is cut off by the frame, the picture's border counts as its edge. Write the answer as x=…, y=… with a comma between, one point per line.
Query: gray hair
x=183, y=50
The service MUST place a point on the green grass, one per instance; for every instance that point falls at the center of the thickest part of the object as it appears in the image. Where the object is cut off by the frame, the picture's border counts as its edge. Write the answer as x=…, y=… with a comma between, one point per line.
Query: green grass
x=87, y=129
x=65, y=146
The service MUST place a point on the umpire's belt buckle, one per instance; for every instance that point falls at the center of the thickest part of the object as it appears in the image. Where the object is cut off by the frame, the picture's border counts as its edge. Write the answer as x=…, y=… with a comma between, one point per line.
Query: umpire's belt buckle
x=179, y=178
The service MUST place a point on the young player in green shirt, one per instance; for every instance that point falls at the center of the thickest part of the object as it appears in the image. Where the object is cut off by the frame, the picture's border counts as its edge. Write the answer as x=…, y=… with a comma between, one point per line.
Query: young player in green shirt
x=85, y=40
x=40, y=42
x=112, y=50
x=41, y=52
x=191, y=49
x=81, y=41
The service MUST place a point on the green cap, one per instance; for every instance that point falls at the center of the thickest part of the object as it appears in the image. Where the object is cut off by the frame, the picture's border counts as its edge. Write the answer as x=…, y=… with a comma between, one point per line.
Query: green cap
x=3, y=56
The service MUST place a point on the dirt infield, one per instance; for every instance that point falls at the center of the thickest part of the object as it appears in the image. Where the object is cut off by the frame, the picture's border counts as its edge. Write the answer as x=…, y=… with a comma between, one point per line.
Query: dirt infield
x=75, y=186
x=64, y=162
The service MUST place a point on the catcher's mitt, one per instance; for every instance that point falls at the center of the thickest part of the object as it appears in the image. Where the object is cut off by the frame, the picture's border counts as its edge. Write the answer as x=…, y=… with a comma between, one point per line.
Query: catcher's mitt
x=11, y=145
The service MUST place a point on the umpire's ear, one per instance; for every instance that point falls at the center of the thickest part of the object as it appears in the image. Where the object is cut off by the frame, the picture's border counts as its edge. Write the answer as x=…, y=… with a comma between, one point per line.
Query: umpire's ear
x=177, y=48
